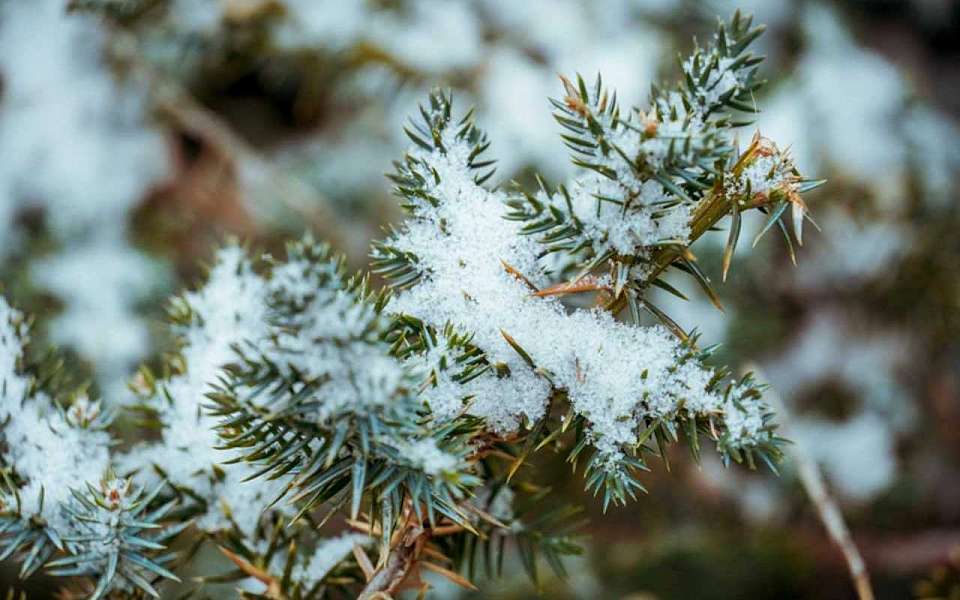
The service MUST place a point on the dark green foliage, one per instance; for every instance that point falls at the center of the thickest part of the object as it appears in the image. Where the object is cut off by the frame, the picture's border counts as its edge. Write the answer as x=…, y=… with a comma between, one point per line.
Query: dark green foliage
x=355, y=454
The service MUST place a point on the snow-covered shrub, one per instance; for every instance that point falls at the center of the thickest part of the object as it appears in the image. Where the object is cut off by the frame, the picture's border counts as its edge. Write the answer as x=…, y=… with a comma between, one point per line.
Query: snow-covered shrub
x=299, y=392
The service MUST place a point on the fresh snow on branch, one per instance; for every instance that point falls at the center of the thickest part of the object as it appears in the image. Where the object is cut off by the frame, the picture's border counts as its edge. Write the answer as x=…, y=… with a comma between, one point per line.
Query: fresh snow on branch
x=229, y=309
x=298, y=391
x=618, y=376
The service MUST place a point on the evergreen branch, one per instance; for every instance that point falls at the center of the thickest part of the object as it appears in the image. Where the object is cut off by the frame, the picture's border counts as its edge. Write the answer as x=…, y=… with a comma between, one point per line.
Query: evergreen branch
x=117, y=538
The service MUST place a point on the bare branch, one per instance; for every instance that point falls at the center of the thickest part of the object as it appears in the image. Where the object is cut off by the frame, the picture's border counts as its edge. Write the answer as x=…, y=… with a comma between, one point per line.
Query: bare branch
x=827, y=509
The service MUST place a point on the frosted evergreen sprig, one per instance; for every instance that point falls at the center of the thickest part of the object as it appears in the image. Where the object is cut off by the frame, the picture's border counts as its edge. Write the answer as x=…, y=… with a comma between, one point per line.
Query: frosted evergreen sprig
x=297, y=392
x=646, y=168
x=119, y=539
x=471, y=273
x=654, y=180
x=27, y=537
x=326, y=401
x=49, y=515
x=414, y=177
x=229, y=309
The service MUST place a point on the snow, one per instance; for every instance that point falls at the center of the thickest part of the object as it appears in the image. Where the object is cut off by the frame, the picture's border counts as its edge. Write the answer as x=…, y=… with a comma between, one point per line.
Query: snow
x=849, y=110
x=203, y=18
x=431, y=36
x=506, y=55
x=615, y=374
x=858, y=133
x=722, y=80
x=934, y=139
x=229, y=309
x=857, y=452
x=434, y=36
x=623, y=209
x=85, y=153
x=13, y=335
x=98, y=319
x=626, y=232
x=327, y=555
x=76, y=144
x=334, y=24
x=303, y=317
x=866, y=359
x=309, y=571
x=425, y=456
x=858, y=455
x=514, y=91
x=330, y=337
x=598, y=200
x=45, y=447
x=852, y=251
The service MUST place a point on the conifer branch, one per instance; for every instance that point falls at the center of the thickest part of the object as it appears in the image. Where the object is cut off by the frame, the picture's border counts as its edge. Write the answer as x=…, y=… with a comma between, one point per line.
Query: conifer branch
x=298, y=393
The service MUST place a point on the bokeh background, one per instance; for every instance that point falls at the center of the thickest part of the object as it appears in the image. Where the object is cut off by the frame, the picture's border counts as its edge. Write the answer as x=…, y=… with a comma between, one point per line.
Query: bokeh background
x=135, y=135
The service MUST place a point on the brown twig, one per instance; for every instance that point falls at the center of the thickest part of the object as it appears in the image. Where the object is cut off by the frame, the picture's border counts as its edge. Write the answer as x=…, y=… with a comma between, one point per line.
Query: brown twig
x=389, y=578
x=588, y=283
x=273, y=586
x=708, y=213
x=827, y=509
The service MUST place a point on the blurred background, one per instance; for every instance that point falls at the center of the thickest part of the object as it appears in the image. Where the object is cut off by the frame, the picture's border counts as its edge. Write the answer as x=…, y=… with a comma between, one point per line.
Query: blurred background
x=135, y=135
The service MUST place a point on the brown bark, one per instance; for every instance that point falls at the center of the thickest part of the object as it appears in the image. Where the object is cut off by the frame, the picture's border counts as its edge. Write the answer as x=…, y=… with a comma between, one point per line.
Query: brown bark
x=390, y=577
